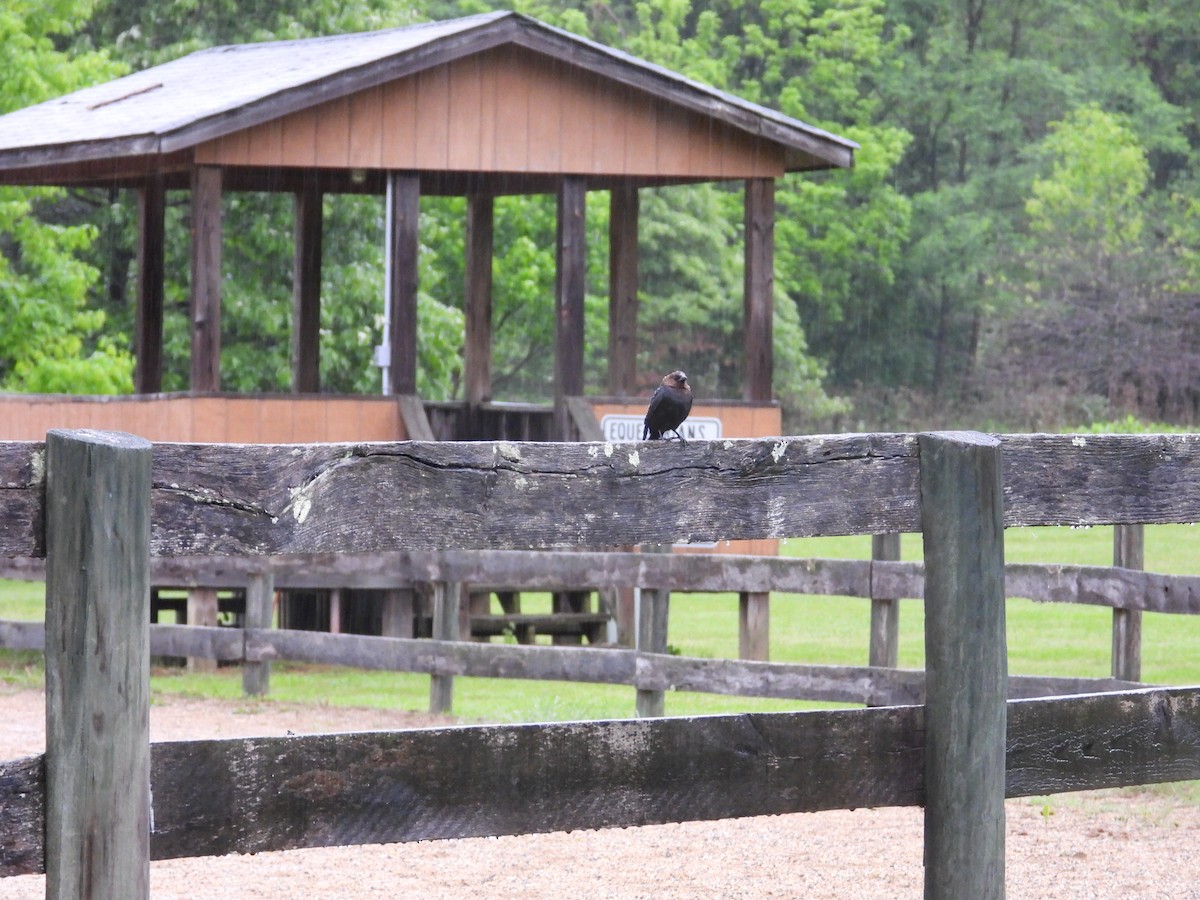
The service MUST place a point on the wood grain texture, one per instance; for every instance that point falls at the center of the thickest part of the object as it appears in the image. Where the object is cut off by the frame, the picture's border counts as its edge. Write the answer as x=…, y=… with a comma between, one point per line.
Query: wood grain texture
x=22, y=501
x=1129, y=552
x=759, y=290
x=253, y=795
x=624, y=213
x=206, y=279
x=569, y=294
x=1101, y=479
x=97, y=665
x=403, y=211
x=966, y=664
x=151, y=270
x=215, y=797
x=1104, y=740
x=885, y=608
x=477, y=350
x=243, y=502
x=307, y=238
x=23, y=816
x=239, y=500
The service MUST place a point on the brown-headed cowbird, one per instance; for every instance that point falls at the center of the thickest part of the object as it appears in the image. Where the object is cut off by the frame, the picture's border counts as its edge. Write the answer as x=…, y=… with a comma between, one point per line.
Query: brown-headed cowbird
x=670, y=405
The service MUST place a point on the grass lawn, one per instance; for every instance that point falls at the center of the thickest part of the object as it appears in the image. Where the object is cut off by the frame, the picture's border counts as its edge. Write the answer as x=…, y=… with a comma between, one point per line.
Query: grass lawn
x=1043, y=639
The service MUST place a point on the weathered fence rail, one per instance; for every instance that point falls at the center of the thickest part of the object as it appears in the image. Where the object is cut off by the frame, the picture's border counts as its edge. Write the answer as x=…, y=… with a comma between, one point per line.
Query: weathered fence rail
x=516, y=570
x=260, y=500
x=537, y=571
x=256, y=794
x=221, y=796
x=1121, y=589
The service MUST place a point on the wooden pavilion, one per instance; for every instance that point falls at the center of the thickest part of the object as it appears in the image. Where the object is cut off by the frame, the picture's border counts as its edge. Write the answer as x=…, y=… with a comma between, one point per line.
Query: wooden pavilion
x=479, y=107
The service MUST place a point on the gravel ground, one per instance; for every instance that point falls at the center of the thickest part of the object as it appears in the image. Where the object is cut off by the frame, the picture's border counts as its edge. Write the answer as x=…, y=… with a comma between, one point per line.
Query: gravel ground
x=1101, y=844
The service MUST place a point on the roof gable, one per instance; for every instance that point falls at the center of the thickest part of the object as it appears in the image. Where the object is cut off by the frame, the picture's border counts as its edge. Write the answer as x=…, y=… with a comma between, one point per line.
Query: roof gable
x=217, y=92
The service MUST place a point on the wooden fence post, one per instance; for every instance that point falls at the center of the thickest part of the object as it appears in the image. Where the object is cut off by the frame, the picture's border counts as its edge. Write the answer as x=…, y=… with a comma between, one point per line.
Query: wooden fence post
x=446, y=599
x=1129, y=552
x=260, y=605
x=962, y=521
x=203, y=608
x=97, y=665
x=754, y=625
x=653, y=608
x=885, y=611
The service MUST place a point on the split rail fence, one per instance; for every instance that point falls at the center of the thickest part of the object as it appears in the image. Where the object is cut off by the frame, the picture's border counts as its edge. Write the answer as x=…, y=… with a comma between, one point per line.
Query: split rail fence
x=98, y=506
x=452, y=576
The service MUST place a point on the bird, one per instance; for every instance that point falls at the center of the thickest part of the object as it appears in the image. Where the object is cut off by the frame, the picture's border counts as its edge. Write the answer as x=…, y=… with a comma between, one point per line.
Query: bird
x=669, y=406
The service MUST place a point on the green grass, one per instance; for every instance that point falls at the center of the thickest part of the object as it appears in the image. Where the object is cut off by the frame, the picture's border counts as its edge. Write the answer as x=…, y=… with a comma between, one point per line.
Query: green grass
x=1043, y=639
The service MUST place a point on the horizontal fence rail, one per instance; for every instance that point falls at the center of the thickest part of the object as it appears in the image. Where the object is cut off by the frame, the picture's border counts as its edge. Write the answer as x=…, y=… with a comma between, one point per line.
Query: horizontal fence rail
x=869, y=685
x=254, y=500
x=250, y=795
x=707, y=573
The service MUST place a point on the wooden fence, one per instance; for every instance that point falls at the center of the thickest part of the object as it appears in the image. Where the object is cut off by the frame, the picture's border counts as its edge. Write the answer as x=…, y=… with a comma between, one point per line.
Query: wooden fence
x=876, y=684
x=98, y=506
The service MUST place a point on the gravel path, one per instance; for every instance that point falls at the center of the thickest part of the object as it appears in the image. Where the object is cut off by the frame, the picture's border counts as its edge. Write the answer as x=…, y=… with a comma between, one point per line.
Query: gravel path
x=1103, y=844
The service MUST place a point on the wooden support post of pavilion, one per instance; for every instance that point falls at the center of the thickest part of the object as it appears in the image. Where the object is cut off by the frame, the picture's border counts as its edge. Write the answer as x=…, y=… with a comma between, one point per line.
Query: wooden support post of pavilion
x=404, y=211
x=306, y=288
x=206, y=279
x=568, y=300
x=151, y=271
x=477, y=362
x=623, y=290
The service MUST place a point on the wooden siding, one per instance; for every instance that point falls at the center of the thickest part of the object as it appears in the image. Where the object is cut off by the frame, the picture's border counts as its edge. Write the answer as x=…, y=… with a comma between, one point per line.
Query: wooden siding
x=210, y=419
x=503, y=110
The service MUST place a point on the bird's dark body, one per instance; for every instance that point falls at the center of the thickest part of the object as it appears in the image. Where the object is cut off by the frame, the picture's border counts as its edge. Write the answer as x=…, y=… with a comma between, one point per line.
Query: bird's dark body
x=669, y=406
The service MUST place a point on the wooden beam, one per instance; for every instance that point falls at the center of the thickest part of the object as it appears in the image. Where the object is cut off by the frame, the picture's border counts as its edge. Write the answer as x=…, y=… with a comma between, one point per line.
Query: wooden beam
x=404, y=189
x=415, y=418
x=151, y=262
x=260, y=608
x=1129, y=552
x=583, y=419
x=570, y=288
x=754, y=625
x=447, y=599
x=202, y=609
x=477, y=361
x=623, y=290
x=206, y=279
x=885, y=609
x=965, y=665
x=97, y=665
x=225, y=500
x=759, y=299
x=306, y=289
x=397, y=613
x=652, y=624
x=339, y=789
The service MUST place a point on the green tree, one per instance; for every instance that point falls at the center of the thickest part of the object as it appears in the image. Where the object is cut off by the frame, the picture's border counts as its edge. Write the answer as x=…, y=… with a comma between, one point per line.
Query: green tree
x=48, y=336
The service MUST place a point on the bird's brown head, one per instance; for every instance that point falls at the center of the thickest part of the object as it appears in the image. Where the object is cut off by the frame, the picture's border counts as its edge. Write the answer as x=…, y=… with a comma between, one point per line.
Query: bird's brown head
x=677, y=379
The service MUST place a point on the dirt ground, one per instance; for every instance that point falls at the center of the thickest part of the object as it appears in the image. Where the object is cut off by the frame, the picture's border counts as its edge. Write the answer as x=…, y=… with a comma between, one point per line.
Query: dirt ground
x=1097, y=845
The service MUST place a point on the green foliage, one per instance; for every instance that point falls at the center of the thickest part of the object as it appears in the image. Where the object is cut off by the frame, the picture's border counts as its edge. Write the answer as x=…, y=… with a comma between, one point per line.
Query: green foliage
x=1128, y=425
x=48, y=336
x=1098, y=174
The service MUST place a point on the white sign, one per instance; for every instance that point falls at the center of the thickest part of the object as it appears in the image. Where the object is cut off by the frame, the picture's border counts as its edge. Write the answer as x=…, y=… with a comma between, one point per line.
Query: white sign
x=618, y=428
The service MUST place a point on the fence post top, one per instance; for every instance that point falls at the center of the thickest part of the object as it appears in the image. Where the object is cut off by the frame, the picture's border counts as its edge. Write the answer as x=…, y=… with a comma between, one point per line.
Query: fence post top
x=118, y=439
x=961, y=437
